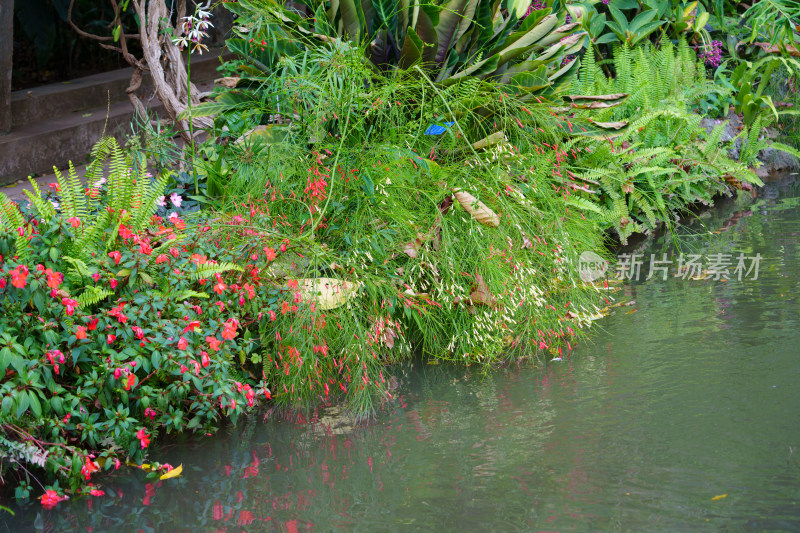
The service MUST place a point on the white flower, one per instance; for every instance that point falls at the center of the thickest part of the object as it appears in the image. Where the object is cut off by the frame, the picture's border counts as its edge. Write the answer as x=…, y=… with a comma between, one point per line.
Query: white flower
x=202, y=11
x=176, y=199
x=162, y=201
x=181, y=42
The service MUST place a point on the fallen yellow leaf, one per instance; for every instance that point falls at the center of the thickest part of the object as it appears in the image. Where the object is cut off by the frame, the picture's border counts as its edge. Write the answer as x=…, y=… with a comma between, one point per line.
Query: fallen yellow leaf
x=719, y=497
x=175, y=472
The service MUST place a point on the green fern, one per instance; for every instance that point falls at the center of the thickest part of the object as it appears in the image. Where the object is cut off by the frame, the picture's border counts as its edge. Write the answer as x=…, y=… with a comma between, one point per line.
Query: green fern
x=208, y=270
x=93, y=295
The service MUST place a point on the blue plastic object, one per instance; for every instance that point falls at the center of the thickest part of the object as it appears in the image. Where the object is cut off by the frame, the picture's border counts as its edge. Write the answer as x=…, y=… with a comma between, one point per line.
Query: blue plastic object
x=435, y=129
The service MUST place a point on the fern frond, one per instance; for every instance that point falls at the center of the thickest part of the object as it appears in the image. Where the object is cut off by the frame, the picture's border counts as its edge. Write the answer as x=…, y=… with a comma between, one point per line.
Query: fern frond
x=207, y=270
x=93, y=295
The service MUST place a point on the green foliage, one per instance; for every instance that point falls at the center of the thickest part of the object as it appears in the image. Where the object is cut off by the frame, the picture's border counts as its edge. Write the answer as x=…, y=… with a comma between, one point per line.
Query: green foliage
x=664, y=160
x=451, y=40
x=773, y=20
x=368, y=183
x=90, y=211
x=752, y=80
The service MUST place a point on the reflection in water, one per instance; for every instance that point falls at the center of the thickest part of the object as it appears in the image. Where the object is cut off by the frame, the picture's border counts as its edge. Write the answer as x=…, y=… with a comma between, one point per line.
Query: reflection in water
x=694, y=395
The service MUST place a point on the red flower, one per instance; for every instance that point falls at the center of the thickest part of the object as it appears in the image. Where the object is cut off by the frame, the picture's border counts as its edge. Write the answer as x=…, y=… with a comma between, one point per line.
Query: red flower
x=229, y=330
x=139, y=332
x=54, y=279
x=144, y=438
x=50, y=499
x=93, y=324
x=89, y=466
x=219, y=288
x=110, y=338
x=116, y=256
x=270, y=254
x=81, y=333
x=204, y=359
x=191, y=326
x=74, y=222
x=131, y=382
x=97, y=492
x=19, y=276
x=245, y=518
x=70, y=304
x=124, y=232
x=162, y=258
x=214, y=343
x=198, y=259
x=182, y=343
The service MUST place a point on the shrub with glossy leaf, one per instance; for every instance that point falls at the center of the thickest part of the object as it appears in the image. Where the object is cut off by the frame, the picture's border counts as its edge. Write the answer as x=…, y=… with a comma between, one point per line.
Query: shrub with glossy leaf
x=450, y=40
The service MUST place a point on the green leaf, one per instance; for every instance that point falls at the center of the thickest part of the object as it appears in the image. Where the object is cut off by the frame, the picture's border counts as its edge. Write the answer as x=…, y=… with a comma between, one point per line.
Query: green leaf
x=449, y=20
x=23, y=402
x=7, y=405
x=36, y=407
x=412, y=49
x=353, y=19
x=620, y=19
x=641, y=19
x=5, y=359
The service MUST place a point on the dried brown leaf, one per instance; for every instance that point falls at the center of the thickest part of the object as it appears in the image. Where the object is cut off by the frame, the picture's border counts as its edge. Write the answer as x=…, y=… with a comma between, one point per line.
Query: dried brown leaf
x=477, y=209
x=228, y=81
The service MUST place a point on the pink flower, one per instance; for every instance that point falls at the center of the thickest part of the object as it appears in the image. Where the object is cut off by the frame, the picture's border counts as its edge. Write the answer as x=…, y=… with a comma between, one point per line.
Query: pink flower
x=149, y=413
x=138, y=332
x=110, y=338
x=144, y=438
x=74, y=222
x=182, y=343
x=97, y=492
x=71, y=305
x=80, y=333
x=116, y=256
x=162, y=258
x=113, y=283
x=50, y=499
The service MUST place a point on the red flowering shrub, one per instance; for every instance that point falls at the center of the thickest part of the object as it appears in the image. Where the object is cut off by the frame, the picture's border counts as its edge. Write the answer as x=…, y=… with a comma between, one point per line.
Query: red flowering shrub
x=99, y=358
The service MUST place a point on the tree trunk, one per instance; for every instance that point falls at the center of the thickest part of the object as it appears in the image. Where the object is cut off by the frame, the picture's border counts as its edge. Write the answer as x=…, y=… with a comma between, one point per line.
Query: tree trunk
x=165, y=63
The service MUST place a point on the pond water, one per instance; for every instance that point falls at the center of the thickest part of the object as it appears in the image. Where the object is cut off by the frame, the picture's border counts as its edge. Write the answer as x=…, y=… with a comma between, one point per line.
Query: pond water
x=682, y=413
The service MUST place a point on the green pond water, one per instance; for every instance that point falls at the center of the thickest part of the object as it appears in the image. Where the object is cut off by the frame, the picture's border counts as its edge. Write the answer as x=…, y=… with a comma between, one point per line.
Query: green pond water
x=689, y=393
